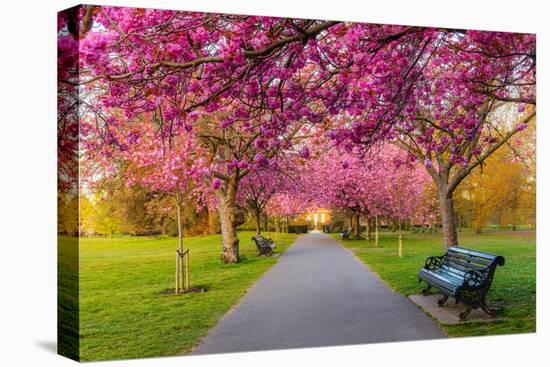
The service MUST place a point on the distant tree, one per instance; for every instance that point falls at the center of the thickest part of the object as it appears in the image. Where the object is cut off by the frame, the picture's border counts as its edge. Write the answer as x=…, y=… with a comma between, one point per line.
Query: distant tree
x=503, y=187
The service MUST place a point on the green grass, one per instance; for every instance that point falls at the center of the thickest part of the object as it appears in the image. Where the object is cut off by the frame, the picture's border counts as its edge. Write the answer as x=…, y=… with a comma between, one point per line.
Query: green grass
x=122, y=311
x=514, y=286
x=67, y=297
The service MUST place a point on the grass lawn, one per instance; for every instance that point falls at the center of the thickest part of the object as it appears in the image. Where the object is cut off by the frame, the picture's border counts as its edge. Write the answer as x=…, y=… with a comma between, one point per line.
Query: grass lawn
x=513, y=286
x=123, y=313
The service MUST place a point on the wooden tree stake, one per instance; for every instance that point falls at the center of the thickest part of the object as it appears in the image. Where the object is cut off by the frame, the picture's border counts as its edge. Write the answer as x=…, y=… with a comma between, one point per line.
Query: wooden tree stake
x=177, y=268
x=187, y=269
x=400, y=249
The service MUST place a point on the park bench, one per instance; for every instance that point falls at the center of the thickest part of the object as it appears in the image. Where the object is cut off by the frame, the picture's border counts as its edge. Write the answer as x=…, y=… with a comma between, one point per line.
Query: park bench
x=265, y=245
x=464, y=274
x=345, y=234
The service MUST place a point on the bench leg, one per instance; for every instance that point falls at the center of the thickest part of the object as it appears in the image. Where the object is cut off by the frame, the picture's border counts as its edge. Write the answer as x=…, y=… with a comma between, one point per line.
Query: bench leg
x=490, y=311
x=464, y=315
x=426, y=291
x=441, y=302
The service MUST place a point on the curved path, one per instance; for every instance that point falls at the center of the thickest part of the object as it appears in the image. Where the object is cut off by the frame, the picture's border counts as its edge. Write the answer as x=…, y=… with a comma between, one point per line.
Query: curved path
x=318, y=294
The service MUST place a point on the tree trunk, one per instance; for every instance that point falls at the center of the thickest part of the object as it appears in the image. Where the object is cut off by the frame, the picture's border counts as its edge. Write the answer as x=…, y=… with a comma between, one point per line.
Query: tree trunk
x=514, y=219
x=213, y=222
x=231, y=216
x=258, y=219
x=369, y=228
x=446, y=205
x=230, y=240
x=266, y=223
x=376, y=231
x=180, y=225
x=355, y=225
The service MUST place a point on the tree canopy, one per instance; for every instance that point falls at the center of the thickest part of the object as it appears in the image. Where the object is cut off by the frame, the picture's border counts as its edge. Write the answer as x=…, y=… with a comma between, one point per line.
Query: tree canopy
x=203, y=106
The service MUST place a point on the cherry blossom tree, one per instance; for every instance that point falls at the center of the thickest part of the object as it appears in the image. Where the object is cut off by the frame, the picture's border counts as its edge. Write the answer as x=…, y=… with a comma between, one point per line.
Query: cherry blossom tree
x=386, y=183
x=248, y=85
x=142, y=160
x=472, y=92
x=286, y=204
x=256, y=190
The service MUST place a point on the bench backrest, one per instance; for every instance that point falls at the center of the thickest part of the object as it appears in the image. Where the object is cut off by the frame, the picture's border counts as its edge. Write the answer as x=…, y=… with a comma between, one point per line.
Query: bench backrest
x=457, y=261
x=466, y=259
x=260, y=241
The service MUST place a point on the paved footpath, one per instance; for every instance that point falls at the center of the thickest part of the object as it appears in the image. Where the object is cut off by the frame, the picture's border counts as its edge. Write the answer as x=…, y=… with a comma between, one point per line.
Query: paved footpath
x=318, y=294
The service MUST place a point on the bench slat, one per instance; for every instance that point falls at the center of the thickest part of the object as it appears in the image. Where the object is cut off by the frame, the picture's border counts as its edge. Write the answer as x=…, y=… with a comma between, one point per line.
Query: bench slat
x=444, y=276
x=452, y=272
x=463, y=265
x=468, y=259
x=440, y=279
x=437, y=282
x=466, y=251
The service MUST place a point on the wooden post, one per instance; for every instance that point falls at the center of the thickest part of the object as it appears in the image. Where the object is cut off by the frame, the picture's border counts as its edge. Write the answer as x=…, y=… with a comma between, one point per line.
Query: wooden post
x=180, y=241
x=187, y=269
x=177, y=268
x=400, y=249
x=376, y=231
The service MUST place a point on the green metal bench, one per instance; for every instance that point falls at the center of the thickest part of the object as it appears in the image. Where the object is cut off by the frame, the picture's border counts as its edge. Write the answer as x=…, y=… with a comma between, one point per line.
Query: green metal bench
x=345, y=235
x=464, y=274
x=264, y=245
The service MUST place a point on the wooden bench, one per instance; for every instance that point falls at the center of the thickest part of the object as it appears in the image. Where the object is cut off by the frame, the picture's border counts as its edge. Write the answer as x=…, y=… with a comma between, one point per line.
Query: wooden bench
x=264, y=245
x=345, y=234
x=464, y=274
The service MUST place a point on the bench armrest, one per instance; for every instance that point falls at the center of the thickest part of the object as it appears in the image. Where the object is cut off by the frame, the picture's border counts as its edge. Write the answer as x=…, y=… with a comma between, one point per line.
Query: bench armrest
x=473, y=279
x=433, y=262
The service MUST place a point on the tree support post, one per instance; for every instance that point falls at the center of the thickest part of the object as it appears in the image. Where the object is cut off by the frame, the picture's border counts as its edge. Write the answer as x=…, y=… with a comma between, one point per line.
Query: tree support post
x=400, y=249
x=176, y=289
x=187, y=269
x=182, y=259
